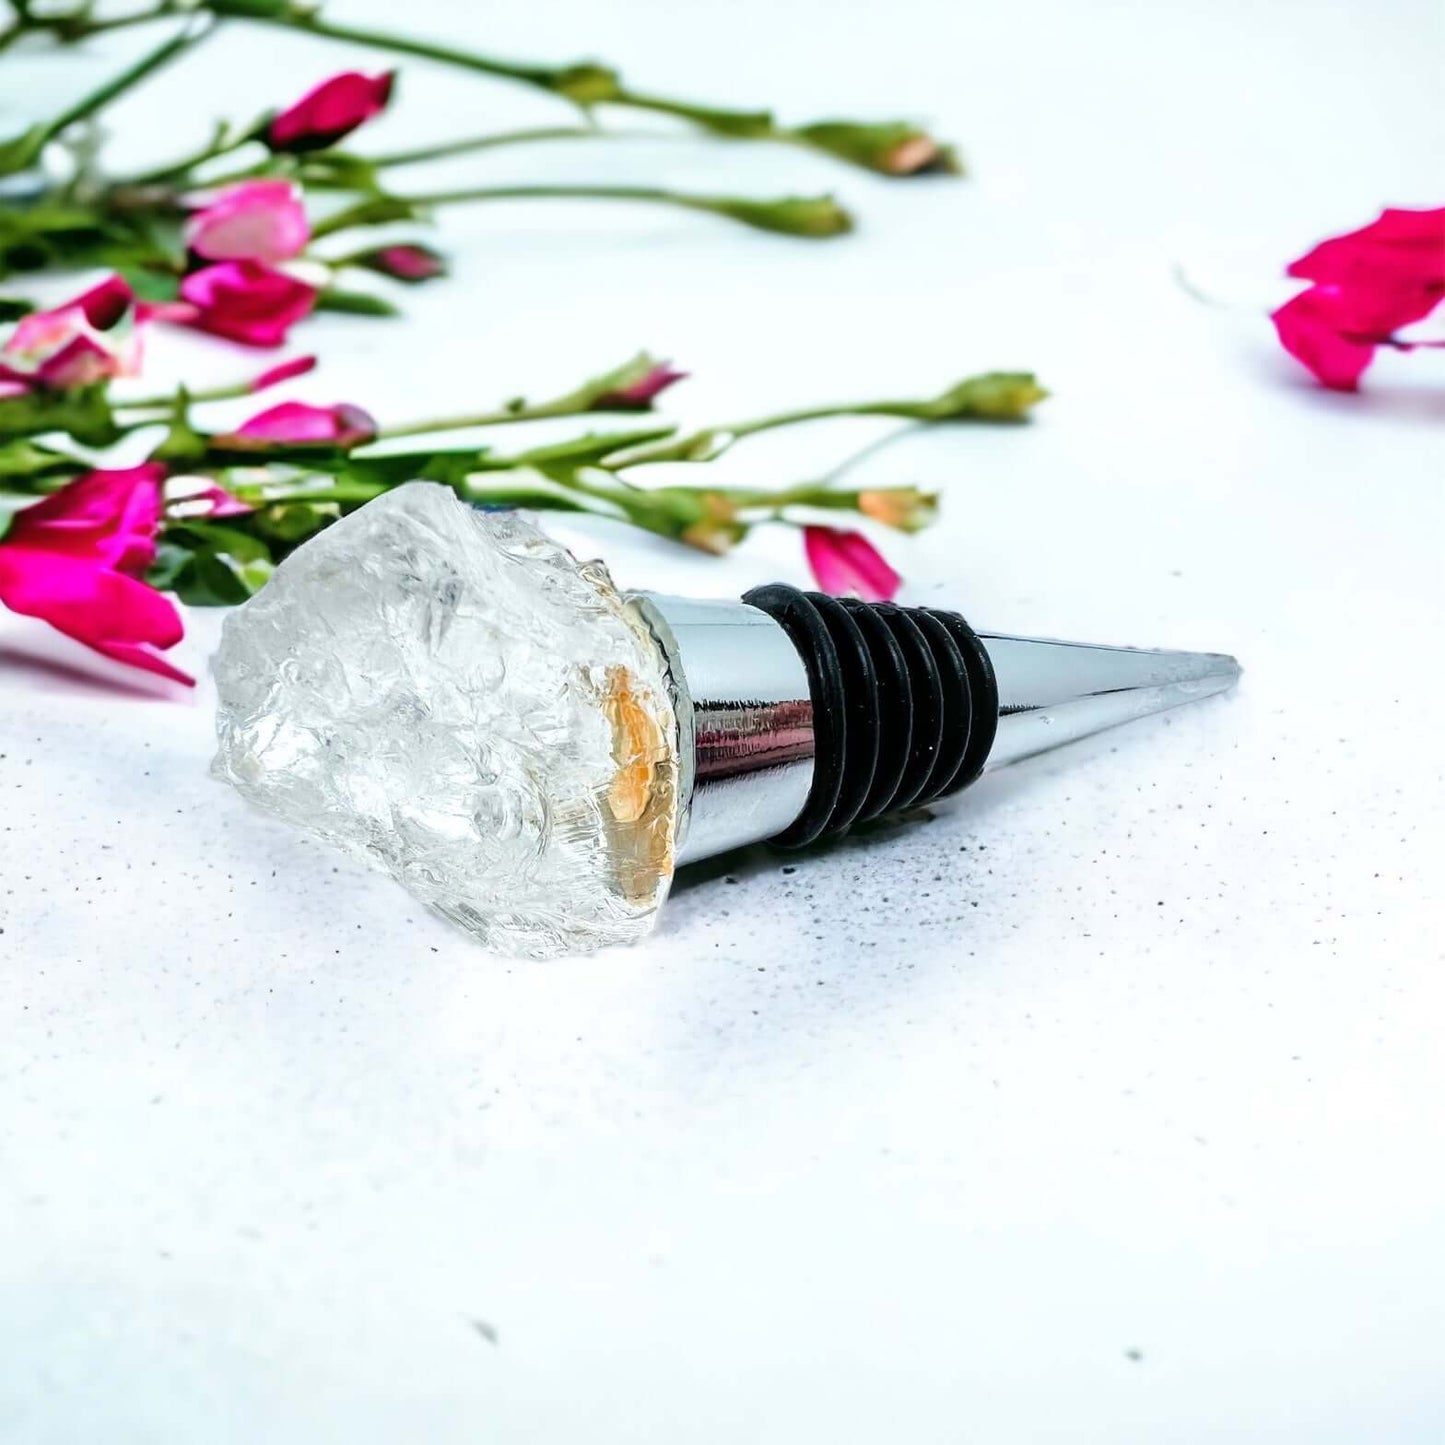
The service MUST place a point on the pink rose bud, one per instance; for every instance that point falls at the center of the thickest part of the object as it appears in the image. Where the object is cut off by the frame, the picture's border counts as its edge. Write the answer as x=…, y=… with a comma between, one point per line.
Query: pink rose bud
x=294, y=422
x=253, y=221
x=1366, y=285
x=74, y=560
x=246, y=301
x=88, y=339
x=639, y=393
x=331, y=111
x=407, y=261
x=848, y=563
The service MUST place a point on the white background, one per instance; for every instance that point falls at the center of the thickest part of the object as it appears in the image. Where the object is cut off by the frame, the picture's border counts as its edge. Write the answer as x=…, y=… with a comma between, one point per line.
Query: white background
x=1104, y=1107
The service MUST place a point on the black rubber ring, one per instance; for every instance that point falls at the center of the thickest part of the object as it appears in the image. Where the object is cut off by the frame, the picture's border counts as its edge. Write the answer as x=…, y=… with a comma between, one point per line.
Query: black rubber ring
x=927, y=709
x=803, y=623
x=983, y=688
x=860, y=693
x=957, y=705
x=895, y=709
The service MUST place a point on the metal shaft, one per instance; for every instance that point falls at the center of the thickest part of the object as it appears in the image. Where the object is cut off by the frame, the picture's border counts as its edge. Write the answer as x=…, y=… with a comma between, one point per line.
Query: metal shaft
x=1051, y=693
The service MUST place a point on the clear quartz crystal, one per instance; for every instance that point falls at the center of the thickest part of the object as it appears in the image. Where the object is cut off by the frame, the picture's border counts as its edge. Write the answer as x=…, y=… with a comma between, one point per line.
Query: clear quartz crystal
x=449, y=693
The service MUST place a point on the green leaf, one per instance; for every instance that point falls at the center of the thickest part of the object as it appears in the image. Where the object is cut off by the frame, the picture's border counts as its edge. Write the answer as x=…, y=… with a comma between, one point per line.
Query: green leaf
x=23, y=459
x=12, y=308
x=82, y=412
x=290, y=522
x=254, y=9
x=355, y=303
x=21, y=152
x=215, y=538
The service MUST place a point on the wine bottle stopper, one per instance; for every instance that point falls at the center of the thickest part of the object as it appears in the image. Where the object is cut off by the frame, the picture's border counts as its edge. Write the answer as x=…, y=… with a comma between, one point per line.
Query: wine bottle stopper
x=533, y=753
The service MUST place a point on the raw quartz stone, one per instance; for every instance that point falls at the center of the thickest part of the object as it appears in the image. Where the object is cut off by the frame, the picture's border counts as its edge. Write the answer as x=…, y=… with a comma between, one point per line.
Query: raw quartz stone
x=451, y=694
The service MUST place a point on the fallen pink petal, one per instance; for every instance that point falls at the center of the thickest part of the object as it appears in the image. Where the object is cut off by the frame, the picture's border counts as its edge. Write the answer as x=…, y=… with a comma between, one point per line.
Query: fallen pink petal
x=74, y=560
x=253, y=221
x=284, y=371
x=1367, y=285
x=330, y=111
x=848, y=564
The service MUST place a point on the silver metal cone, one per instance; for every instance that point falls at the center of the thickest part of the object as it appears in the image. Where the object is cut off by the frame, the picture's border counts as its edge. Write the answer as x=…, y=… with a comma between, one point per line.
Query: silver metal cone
x=1051, y=693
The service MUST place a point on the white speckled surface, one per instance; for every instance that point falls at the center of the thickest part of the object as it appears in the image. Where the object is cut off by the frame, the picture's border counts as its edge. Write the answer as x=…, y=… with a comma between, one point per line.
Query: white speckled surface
x=1105, y=1107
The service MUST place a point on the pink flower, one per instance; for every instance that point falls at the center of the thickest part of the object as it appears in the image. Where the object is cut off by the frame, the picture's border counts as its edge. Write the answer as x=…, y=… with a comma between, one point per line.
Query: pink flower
x=246, y=302
x=332, y=110
x=847, y=562
x=253, y=221
x=88, y=339
x=74, y=560
x=1367, y=284
x=296, y=422
x=639, y=395
x=406, y=261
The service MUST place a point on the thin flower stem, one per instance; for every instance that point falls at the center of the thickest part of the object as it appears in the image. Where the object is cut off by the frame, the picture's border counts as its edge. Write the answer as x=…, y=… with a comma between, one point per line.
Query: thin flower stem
x=113, y=89
x=540, y=411
x=467, y=146
x=584, y=84
x=813, y=217
x=712, y=442
x=220, y=145
x=169, y=403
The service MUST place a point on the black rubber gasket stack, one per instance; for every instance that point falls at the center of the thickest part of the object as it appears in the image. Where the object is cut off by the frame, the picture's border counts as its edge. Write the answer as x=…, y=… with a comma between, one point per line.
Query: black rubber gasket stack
x=905, y=705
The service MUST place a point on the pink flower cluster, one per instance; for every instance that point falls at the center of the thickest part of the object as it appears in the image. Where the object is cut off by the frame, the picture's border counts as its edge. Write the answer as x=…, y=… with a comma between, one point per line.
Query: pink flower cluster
x=1365, y=286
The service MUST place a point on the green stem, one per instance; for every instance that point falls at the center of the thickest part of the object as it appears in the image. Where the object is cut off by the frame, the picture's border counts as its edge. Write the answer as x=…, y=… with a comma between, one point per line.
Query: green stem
x=219, y=145
x=712, y=442
x=519, y=411
x=148, y=64
x=169, y=403
x=811, y=216
x=488, y=142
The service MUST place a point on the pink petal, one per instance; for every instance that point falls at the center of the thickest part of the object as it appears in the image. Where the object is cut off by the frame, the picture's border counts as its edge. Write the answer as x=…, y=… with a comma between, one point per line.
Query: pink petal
x=1408, y=246
x=1308, y=329
x=107, y=518
x=298, y=421
x=406, y=261
x=330, y=111
x=107, y=611
x=847, y=562
x=253, y=221
x=105, y=304
x=284, y=371
x=639, y=395
x=247, y=302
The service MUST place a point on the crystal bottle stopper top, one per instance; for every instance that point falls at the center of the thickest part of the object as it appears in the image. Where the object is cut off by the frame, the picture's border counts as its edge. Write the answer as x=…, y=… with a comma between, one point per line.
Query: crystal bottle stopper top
x=450, y=694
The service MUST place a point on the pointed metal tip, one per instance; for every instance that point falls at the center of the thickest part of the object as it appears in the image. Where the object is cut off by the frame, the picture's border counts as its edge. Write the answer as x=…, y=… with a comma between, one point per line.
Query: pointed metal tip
x=1051, y=693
